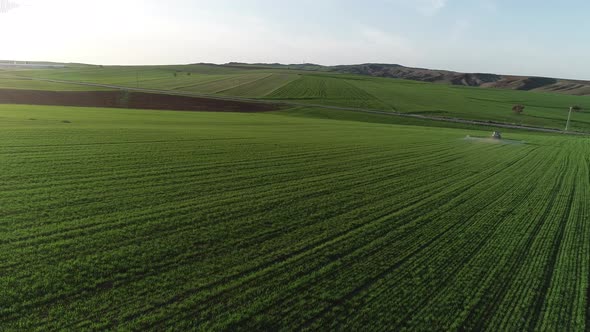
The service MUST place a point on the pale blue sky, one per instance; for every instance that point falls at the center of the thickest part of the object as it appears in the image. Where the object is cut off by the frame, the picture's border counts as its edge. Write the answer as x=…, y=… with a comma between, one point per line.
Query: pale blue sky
x=545, y=38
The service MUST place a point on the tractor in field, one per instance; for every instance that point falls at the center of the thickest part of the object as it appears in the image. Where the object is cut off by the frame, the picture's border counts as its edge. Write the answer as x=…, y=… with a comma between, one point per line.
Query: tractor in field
x=497, y=135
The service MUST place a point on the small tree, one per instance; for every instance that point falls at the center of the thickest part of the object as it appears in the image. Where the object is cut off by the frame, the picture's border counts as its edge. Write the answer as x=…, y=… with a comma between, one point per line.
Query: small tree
x=518, y=109
x=577, y=108
x=175, y=74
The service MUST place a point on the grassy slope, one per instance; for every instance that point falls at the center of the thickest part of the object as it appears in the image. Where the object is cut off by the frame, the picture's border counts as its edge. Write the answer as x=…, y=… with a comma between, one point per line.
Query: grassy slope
x=262, y=87
x=341, y=115
x=327, y=90
x=144, y=219
x=202, y=79
x=543, y=109
x=10, y=82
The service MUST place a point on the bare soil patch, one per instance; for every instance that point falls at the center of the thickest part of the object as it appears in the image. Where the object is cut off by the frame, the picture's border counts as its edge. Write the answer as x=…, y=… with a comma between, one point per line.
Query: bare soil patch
x=123, y=99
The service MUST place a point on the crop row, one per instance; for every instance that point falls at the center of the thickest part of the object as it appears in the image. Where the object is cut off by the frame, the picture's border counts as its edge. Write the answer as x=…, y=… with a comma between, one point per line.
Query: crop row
x=264, y=222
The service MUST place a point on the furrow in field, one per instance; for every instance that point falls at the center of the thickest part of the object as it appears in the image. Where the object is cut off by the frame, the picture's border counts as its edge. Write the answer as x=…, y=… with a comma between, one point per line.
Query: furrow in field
x=523, y=237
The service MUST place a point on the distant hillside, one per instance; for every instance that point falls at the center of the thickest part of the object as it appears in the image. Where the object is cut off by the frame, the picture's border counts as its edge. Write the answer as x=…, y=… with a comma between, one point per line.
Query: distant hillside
x=13, y=64
x=573, y=87
x=528, y=83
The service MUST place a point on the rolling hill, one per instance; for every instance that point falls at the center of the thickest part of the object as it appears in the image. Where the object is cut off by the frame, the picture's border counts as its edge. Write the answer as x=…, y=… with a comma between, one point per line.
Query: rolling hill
x=306, y=85
x=526, y=83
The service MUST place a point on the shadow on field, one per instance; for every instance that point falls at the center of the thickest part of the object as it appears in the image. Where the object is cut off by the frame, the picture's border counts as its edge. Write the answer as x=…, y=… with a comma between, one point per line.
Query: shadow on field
x=126, y=99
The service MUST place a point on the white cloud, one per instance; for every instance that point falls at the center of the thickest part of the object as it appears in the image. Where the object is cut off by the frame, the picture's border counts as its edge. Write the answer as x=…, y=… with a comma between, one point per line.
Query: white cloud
x=431, y=7
x=490, y=6
x=7, y=5
x=423, y=7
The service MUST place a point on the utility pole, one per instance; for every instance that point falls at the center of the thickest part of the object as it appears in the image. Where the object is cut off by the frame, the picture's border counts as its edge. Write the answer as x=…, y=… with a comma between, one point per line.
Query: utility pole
x=569, y=115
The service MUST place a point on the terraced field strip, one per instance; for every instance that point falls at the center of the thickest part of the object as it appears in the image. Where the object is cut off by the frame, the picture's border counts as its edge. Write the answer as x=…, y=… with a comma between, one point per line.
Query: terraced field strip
x=262, y=87
x=226, y=83
x=161, y=77
x=11, y=82
x=183, y=78
x=333, y=91
x=124, y=219
x=179, y=82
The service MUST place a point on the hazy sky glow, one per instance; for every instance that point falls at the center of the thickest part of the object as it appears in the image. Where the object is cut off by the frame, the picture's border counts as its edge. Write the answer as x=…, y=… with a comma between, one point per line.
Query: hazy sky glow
x=545, y=38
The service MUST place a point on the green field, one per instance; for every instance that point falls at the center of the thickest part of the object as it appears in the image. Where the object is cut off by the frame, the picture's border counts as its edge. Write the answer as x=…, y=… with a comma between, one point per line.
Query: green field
x=332, y=89
x=10, y=82
x=295, y=220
